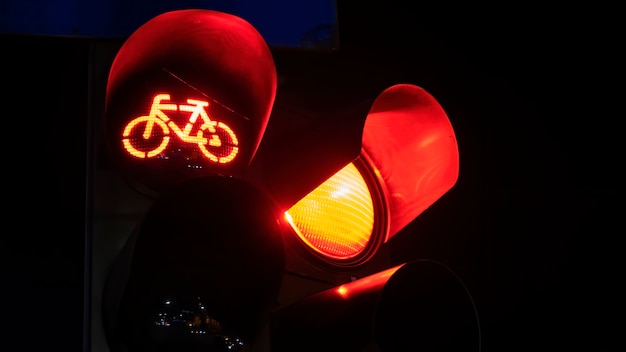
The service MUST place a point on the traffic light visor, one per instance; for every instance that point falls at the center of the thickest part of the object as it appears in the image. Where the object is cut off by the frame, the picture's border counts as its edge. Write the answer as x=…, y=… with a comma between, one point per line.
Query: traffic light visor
x=411, y=143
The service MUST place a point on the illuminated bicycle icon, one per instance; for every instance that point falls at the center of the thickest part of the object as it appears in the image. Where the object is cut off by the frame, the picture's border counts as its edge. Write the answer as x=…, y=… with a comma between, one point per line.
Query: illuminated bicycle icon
x=209, y=135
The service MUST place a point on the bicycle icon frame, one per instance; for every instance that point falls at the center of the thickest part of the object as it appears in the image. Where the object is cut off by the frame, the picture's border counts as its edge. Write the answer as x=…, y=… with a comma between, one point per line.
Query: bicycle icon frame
x=210, y=133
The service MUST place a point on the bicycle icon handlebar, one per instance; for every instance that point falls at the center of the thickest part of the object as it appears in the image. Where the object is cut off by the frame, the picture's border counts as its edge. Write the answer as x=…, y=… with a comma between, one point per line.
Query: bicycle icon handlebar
x=215, y=139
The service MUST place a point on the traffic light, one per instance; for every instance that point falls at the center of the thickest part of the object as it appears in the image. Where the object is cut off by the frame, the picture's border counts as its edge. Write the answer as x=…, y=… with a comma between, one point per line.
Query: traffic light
x=271, y=217
x=188, y=98
x=404, y=158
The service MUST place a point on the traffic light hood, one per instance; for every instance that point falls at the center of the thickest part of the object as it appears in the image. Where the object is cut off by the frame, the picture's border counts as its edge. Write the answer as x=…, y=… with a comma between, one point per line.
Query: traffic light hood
x=219, y=54
x=411, y=143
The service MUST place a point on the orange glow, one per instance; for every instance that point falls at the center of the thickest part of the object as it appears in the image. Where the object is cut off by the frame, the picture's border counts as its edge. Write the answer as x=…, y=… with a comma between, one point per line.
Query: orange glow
x=220, y=138
x=367, y=283
x=337, y=218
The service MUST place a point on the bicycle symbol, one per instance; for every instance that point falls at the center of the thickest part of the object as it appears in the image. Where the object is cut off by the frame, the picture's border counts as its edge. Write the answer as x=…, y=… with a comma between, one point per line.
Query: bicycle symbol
x=209, y=137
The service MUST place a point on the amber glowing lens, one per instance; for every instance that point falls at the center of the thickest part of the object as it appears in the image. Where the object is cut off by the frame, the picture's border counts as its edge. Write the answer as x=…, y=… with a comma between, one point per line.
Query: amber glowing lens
x=337, y=218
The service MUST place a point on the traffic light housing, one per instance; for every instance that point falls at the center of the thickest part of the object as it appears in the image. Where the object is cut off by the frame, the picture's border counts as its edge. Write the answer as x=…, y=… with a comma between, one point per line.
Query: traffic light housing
x=257, y=223
x=185, y=112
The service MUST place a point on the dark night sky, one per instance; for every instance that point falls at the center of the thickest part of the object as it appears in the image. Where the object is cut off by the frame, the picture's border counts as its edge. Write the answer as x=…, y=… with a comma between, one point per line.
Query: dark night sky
x=532, y=224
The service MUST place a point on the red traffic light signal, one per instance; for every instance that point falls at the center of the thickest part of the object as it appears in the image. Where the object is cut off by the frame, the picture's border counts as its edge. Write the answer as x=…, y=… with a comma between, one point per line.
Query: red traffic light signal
x=183, y=100
x=216, y=141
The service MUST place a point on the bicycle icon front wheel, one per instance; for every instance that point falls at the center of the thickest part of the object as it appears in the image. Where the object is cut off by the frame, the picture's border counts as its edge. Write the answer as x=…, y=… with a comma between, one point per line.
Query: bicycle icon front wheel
x=142, y=141
x=222, y=146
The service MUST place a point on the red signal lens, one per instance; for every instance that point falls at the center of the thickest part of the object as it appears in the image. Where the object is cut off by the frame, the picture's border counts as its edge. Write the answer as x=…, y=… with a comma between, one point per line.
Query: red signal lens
x=171, y=135
x=338, y=221
x=198, y=135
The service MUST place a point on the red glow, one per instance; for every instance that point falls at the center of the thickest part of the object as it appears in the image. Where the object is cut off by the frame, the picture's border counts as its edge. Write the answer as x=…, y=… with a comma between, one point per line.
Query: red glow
x=411, y=143
x=368, y=283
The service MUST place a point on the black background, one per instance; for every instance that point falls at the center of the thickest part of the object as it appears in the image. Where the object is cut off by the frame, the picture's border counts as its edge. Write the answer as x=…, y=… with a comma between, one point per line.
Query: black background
x=532, y=225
